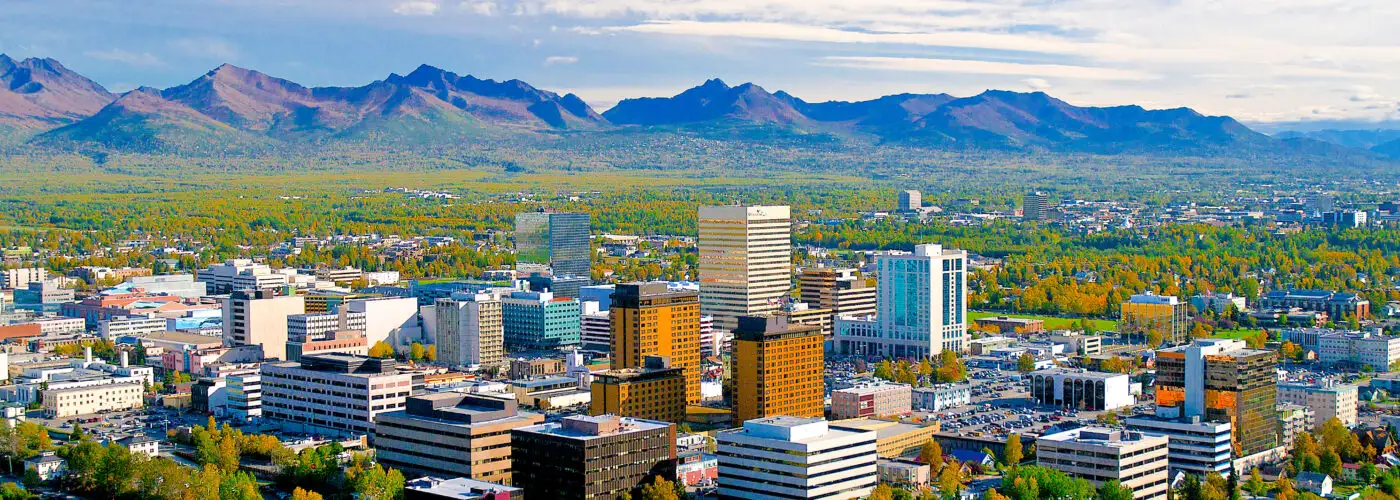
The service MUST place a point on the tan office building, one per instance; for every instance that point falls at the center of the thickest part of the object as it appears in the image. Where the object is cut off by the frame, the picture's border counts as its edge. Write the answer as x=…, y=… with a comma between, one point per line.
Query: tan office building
x=470, y=331
x=451, y=434
x=259, y=317
x=745, y=261
x=655, y=392
x=839, y=290
x=1137, y=461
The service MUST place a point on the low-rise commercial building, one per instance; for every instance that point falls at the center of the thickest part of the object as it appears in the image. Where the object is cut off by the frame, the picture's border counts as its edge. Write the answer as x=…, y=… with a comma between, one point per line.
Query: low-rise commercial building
x=1138, y=461
x=942, y=397
x=796, y=458
x=461, y=488
x=87, y=400
x=1008, y=325
x=1081, y=389
x=871, y=400
x=894, y=438
x=592, y=458
x=451, y=434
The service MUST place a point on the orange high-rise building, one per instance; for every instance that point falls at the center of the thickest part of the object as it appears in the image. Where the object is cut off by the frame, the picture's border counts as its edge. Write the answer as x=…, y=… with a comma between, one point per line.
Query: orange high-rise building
x=650, y=319
x=777, y=369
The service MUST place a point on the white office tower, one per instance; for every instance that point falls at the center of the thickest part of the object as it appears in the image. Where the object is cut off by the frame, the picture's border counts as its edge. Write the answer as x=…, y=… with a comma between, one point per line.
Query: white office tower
x=790, y=457
x=745, y=261
x=470, y=330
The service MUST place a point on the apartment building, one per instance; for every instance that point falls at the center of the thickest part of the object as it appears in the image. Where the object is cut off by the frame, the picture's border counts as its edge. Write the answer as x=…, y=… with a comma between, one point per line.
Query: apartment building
x=776, y=369
x=452, y=434
x=21, y=277
x=1138, y=461
x=334, y=393
x=1327, y=400
x=470, y=330
x=796, y=458
x=240, y=274
x=1354, y=350
x=880, y=399
x=745, y=261
x=592, y=458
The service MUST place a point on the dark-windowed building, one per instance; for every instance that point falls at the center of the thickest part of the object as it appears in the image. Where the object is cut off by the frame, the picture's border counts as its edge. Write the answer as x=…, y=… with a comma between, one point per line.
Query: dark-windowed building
x=599, y=457
x=555, y=240
x=1223, y=381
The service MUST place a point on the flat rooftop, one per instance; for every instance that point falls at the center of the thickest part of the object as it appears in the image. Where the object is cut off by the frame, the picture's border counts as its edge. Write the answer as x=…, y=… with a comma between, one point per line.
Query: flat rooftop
x=626, y=424
x=1078, y=373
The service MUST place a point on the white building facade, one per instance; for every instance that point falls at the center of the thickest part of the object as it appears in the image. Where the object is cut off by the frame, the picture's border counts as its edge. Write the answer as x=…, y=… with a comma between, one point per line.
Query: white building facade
x=796, y=458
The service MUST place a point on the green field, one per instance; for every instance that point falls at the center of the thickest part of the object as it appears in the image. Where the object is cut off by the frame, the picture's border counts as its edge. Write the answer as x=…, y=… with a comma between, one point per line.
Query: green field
x=1051, y=322
x=1237, y=334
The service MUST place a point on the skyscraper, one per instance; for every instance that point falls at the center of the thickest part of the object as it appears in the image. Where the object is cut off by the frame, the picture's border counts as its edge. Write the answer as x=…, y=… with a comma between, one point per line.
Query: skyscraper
x=1033, y=206
x=777, y=369
x=1223, y=381
x=470, y=331
x=650, y=319
x=1145, y=313
x=553, y=239
x=922, y=307
x=745, y=261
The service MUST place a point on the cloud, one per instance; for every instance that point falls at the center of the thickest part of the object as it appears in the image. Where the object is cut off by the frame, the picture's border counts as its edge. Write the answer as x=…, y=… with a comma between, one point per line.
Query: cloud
x=1037, y=84
x=416, y=8
x=795, y=32
x=930, y=65
x=553, y=60
x=145, y=59
x=481, y=7
x=206, y=47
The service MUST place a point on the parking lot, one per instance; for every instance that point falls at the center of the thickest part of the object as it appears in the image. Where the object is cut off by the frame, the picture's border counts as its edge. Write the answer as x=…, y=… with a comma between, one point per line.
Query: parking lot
x=1001, y=405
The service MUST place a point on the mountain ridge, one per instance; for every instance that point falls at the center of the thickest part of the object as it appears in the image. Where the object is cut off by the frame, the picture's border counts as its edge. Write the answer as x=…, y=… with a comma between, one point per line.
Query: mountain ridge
x=234, y=109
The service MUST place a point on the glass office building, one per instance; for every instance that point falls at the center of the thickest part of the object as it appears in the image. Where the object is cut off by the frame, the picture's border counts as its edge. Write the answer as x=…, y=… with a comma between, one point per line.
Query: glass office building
x=557, y=240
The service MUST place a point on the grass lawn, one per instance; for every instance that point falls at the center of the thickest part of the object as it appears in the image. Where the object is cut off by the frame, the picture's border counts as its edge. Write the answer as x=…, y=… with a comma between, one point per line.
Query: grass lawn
x=1051, y=322
x=1238, y=333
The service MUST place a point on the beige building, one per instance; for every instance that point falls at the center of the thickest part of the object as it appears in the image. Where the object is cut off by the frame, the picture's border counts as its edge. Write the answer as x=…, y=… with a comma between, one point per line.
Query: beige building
x=1136, y=460
x=470, y=331
x=1327, y=400
x=802, y=313
x=745, y=261
x=259, y=317
x=60, y=403
x=840, y=290
x=1293, y=420
x=451, y=434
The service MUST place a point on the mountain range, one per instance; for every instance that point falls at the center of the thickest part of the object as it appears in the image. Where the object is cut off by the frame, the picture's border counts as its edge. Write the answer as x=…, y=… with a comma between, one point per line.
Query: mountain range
x=230, y=109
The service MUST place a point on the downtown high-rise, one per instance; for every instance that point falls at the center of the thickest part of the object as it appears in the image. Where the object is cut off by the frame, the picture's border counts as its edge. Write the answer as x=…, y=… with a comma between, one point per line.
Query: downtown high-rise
x=745, y=261
x=555, y=240
x=922, y=307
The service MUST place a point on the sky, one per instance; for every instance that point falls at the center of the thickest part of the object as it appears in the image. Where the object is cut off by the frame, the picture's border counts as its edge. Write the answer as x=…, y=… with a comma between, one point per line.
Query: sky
x=1257, y=60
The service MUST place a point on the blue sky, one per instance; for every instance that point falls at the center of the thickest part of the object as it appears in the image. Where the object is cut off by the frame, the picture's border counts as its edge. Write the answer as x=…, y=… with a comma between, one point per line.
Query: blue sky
x=1258, y=60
